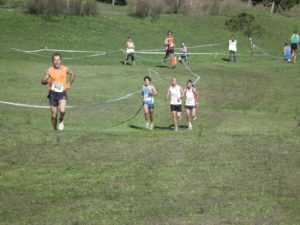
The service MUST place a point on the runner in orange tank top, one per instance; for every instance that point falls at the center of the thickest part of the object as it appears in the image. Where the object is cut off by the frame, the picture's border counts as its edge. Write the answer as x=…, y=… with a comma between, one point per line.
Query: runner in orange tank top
x=170, y=46
x=58, y=83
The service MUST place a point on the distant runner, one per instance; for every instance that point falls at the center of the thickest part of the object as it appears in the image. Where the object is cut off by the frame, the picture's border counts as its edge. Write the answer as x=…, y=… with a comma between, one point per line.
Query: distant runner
x=287, y=52
x=294, y=45
x=56, y=78
x=232, y=49
x=148, y=92
x=176, y=94
x=170, y=46
x=183, y=53
x=129, y=51
x=191, y=101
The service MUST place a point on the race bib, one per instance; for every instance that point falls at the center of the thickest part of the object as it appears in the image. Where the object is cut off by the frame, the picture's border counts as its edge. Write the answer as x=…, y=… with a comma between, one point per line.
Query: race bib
x=57, y=87
x=190, y=99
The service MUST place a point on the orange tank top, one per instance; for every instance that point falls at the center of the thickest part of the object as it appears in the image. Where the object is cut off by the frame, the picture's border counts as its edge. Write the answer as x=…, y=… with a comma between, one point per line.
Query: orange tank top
x=170, y=41
x=58, y=81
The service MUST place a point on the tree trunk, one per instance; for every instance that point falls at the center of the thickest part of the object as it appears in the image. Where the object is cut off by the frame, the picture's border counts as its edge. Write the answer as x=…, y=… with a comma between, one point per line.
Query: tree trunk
x=249, y=3
x=113, y=2
x=273, y=7
x=68, y=6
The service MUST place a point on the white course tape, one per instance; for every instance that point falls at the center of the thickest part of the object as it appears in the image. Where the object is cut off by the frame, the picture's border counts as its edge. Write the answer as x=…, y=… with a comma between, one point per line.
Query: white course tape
x=191, y=47
x=265, y=53
x=178, y=53
x=57, y=50
x=26, y=105
x=95, y=104
x=94, y=53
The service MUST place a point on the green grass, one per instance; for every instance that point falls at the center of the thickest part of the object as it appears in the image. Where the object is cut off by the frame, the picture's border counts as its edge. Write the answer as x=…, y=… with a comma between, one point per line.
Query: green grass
x=239, y=165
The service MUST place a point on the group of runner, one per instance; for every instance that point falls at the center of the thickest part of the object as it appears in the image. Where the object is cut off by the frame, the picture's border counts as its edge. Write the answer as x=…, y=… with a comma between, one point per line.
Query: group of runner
x=58, y=82
x=176, y=94
x=290, y=50
x=169, y=45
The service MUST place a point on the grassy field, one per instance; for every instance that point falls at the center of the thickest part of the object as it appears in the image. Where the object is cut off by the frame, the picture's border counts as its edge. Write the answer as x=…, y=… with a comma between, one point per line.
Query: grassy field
x=239, y=165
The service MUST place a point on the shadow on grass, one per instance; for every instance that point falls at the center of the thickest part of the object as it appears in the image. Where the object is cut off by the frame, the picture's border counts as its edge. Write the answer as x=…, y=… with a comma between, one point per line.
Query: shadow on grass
x=164, y=66
x=170, y=127
x=127, y=64
x=136, y=127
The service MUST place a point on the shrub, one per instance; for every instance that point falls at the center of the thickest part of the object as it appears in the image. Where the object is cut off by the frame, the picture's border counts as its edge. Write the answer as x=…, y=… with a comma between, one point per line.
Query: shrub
x=153, y=8
x=50, y=8
x=2, y=2
x=83, y=7
x=214, y=7
x=245, y=23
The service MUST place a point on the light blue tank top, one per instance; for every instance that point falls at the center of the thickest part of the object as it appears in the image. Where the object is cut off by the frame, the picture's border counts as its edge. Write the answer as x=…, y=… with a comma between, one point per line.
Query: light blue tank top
x=148, y=97
x=287, y=52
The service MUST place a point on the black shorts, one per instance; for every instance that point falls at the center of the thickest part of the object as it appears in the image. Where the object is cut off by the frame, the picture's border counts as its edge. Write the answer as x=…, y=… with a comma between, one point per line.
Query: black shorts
x=294, y=46
x=176, y=108
x=190, y=107
x=55, y=97
x=169, y=51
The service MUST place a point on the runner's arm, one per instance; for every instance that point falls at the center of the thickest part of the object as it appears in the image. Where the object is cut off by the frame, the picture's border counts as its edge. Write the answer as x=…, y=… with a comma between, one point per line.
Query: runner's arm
x=181, y=93
x=168, y=94
x=72, y=78
x=196, y=95
x=46, y=78
x=153, y=90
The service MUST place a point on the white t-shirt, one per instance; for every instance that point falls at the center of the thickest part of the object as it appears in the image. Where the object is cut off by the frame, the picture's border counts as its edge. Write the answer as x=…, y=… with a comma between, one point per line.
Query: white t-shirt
x=233, y=45
x=190, y=97
x=130, y=47
x=175, y=95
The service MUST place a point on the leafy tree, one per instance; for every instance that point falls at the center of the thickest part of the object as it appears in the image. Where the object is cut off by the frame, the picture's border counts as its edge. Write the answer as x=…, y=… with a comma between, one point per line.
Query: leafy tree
x=244, y=22
x=275, y=4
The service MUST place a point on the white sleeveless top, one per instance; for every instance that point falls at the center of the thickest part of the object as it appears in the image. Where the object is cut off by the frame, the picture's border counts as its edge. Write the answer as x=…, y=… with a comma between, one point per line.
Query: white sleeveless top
x=190, y=97
x=175, y=94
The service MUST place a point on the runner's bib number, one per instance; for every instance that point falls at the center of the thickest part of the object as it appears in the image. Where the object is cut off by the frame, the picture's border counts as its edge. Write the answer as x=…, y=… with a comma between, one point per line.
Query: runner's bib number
x=57, y=87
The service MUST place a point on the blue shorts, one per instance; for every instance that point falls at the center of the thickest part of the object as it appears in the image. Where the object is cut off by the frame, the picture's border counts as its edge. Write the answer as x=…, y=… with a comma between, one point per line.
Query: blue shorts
x=149, y=104
x=55, y=97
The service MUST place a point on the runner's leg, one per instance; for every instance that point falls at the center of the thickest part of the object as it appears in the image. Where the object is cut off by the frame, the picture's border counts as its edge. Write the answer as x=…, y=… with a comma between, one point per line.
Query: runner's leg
x=62, y=109
x=54, y=116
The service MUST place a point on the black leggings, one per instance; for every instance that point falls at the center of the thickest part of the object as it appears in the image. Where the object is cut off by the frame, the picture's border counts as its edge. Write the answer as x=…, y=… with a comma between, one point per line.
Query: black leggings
x=130, y=55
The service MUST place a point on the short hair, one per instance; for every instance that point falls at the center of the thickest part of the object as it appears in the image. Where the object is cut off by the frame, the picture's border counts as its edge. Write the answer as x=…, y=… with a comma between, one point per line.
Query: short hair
x=189, y=81
x=169, y=32
x=56, y=54
x=295, y=31
x=147, y=78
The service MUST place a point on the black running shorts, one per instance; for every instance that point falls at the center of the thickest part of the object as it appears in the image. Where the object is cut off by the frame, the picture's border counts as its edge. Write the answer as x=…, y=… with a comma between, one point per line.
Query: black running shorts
x=55, y=97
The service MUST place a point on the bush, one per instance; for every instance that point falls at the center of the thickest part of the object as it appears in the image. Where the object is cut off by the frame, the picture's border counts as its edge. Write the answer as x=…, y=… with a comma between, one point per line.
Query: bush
x=215, y=7
x=245, y=23
x=2, y=2
x=293, y=12
x=153, y=8
x=50, y=8
x=83, y=7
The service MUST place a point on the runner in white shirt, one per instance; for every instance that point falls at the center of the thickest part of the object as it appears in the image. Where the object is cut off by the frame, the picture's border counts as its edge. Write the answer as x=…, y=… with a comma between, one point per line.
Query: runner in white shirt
x=129, y=51
x=232, y=49
x=176, y=94
x=191, y=101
